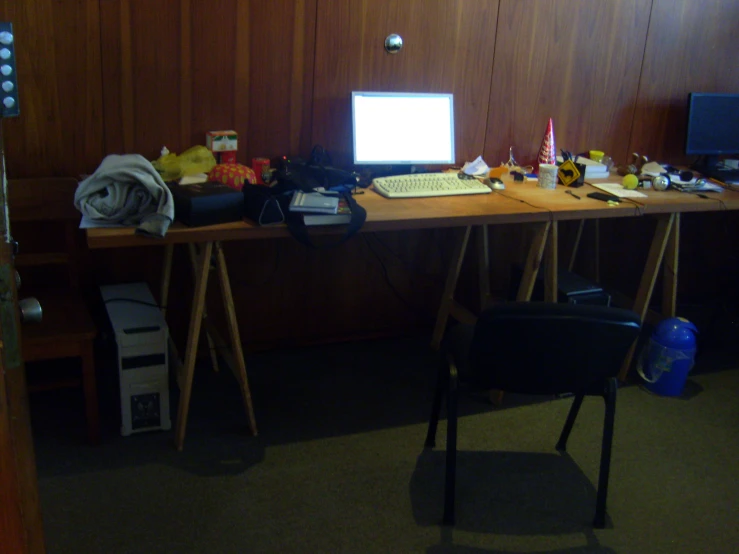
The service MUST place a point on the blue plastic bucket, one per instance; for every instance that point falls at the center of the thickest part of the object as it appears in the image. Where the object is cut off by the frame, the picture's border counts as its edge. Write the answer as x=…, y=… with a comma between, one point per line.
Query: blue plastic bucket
x=669, y=357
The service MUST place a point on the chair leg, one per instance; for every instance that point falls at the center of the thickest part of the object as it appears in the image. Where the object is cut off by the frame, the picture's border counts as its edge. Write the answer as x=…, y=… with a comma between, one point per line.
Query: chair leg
x=451, y=448
x=605, y=456
x=441, y=384
x=90, y=392
x=574, y=410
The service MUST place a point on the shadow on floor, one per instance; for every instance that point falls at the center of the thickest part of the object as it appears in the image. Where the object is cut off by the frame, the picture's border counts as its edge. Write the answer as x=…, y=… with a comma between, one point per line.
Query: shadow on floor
x=506, y=493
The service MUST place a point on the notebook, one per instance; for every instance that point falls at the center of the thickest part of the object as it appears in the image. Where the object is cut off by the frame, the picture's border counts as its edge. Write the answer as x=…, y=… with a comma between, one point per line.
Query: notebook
x=314, y=202
x=342, y=216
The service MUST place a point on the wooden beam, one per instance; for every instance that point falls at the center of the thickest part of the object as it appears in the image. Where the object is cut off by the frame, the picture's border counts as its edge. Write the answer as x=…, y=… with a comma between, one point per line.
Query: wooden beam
x=455, y=266
x=670, y=269
x=533, y=260
x=196, y=319
x=649, y=278
x=550, y=268
x=233, y=328
x=483, y=265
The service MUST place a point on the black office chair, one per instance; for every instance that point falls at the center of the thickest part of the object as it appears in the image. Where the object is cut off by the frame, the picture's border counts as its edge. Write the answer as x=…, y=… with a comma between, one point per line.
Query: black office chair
x=536, y=348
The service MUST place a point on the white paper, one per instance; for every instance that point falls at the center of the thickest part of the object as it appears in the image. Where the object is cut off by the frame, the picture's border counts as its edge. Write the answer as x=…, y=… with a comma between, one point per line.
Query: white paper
x=194, y=179
x=617, y=189
x=478, y=167
x=653, y=169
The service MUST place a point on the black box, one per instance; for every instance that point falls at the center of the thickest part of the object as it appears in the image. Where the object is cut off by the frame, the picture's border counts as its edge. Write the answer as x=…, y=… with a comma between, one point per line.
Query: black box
x=571, y=288
x=206, y=203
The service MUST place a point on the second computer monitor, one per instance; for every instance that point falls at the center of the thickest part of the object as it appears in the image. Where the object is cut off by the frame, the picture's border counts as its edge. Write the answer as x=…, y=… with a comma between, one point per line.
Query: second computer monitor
x=391, y=128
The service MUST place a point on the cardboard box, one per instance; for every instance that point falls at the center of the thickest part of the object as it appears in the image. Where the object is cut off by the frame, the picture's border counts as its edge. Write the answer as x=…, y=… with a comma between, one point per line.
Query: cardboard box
x=222, y=141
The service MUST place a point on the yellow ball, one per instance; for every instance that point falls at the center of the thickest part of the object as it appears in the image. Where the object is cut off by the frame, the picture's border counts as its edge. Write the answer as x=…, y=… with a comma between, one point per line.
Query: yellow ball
x=630, y=181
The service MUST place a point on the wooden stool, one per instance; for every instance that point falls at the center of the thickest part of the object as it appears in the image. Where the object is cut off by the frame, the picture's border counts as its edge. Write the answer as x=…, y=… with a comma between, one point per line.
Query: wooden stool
x=45, y=223
x=65, y=331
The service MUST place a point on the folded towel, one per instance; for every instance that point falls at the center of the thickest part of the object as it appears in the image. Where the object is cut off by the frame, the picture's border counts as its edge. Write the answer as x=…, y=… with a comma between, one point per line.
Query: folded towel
x=126, y=189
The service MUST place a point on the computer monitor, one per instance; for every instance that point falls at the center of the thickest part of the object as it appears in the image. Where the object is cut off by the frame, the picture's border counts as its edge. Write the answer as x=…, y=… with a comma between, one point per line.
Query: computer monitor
x=713, y=129
x=403, y=129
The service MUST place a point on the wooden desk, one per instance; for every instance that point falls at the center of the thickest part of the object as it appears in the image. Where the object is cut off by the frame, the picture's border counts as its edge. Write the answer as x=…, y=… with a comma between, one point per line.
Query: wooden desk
x=664, y=206
x=519, y=203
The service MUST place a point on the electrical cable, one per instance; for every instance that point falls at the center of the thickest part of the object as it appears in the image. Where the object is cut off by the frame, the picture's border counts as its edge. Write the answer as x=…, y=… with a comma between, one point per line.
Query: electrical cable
x=413, y=309
x=551, y=213
x=436, y=277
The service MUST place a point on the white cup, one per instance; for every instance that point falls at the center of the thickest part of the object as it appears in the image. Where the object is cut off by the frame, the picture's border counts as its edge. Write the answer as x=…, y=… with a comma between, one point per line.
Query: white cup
x=547, y=176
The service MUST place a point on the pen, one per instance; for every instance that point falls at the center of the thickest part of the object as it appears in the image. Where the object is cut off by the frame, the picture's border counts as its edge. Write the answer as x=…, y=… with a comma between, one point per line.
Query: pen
x=572, y=194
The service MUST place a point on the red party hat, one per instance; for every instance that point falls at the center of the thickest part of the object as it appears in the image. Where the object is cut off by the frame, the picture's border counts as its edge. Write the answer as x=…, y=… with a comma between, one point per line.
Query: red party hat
x=547, y=151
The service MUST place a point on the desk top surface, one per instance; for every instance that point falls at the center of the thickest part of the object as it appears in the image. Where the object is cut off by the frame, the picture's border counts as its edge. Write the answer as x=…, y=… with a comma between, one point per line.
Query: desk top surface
x=518, y=203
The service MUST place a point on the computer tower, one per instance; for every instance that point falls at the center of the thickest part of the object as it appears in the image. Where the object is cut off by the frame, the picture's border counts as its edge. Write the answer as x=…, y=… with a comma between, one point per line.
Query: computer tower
x=576, y=289
x=141, y=336
x=571, y=288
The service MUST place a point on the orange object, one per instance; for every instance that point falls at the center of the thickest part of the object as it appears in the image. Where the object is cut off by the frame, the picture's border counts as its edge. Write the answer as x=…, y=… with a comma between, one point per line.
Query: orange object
x=233, y=175
x=498, y=172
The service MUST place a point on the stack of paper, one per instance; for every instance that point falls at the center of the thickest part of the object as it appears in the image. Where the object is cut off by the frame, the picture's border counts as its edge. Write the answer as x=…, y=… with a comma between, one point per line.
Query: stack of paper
x=617, y=189
x=593, y=170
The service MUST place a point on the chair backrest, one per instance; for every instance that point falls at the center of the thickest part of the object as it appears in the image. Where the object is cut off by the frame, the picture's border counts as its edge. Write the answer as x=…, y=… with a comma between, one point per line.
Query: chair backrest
x=542, y=348
x=45, y=223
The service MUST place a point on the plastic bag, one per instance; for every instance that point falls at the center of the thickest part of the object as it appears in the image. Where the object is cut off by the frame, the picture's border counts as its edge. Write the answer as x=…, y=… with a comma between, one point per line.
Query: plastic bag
x=197, y=159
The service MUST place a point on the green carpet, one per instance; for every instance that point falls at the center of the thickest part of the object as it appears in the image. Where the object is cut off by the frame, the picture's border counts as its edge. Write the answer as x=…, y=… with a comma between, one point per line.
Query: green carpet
x=339, y=466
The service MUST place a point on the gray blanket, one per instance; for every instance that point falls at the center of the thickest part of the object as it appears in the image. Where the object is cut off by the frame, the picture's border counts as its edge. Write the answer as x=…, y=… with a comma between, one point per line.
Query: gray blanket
x=127, y=190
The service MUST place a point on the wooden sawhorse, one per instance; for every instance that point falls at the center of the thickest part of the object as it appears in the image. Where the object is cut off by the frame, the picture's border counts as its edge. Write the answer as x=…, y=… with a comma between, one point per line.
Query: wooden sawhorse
x=202, y=255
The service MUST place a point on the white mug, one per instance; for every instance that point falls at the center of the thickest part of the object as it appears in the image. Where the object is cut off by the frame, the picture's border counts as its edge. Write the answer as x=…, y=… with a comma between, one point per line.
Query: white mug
x=547, y=176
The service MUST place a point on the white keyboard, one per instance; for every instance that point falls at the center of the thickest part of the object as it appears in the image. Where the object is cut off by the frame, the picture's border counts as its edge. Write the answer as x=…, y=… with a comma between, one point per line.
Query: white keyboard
x=427, y=184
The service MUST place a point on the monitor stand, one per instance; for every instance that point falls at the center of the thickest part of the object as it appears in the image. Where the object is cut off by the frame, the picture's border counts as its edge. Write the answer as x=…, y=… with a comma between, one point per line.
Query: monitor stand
x=391, y=170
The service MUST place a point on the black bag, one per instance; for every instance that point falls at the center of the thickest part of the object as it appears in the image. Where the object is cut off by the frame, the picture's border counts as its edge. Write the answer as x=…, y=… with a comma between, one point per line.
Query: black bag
x=264, y=205
x=298, y=174
x=270, y=205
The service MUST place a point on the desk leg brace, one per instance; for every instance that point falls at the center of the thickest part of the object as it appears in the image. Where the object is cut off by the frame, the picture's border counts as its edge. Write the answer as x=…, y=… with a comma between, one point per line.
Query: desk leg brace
x=196, y=319
x=533, y=261
x=447, y=300
x=208, y=337
x=667, y=231
x=233, y=328
x=174, y=355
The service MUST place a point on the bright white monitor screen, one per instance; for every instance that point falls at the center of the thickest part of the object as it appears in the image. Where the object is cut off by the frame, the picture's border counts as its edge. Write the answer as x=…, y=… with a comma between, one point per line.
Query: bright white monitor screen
x=403, y=128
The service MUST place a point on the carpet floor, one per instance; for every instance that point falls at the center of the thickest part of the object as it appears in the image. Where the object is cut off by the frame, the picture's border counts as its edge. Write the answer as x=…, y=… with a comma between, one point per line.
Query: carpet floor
x=339, y=466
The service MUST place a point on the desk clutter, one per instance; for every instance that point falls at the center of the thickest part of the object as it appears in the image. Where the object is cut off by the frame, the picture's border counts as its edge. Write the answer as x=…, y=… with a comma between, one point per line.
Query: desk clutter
x=205, y=186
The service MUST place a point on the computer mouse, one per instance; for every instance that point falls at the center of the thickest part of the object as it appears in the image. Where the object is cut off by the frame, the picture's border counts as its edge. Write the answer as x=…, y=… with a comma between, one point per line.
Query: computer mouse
x=495, y=183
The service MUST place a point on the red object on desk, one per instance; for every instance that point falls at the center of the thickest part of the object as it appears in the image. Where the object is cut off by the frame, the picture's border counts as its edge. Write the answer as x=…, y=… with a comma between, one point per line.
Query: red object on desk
x=548, y=151
x=227, y=157
x=233, y=175
x=259, y=165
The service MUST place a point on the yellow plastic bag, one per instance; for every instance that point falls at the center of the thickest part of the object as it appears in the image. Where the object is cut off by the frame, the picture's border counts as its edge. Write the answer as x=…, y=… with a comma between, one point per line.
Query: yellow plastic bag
x=197, y=159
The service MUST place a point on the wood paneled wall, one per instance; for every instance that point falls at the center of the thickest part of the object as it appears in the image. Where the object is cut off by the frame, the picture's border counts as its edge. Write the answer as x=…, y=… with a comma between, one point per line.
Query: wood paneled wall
x=692, y=46
x=111, y=76
x=576, y=61
x=448, y=46
x=175, y=69
x=60, y=131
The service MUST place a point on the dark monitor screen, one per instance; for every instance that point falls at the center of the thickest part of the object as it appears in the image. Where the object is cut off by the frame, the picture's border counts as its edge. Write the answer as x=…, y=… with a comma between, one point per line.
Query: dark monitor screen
x=713, y=124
